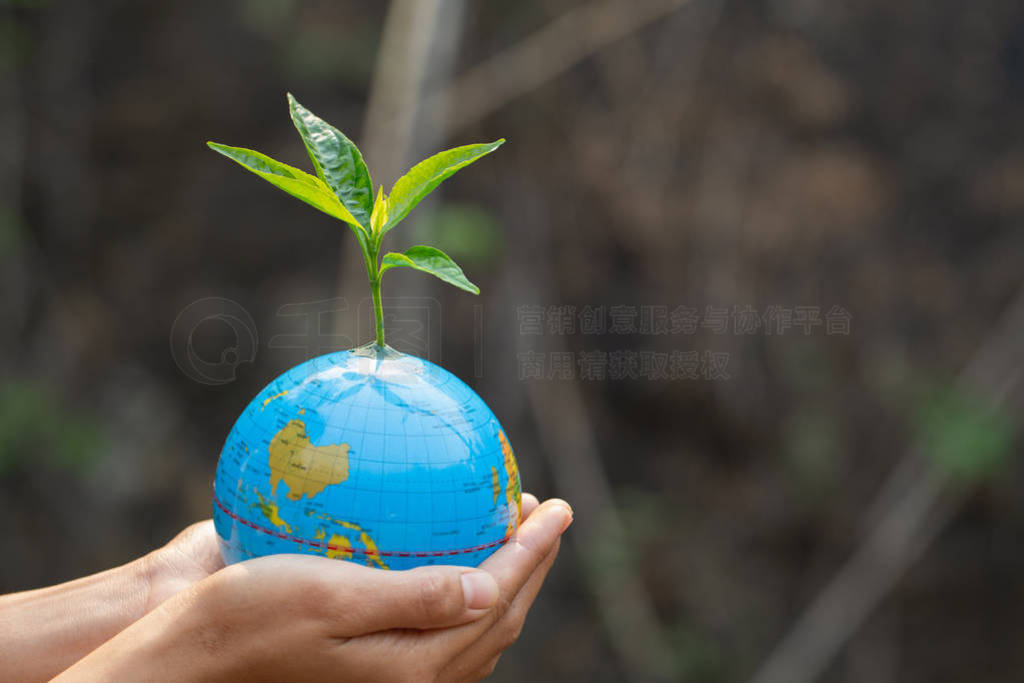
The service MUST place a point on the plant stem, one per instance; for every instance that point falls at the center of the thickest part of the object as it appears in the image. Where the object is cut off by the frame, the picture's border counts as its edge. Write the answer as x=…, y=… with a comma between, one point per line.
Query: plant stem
x=373, y=271
x=377, y=310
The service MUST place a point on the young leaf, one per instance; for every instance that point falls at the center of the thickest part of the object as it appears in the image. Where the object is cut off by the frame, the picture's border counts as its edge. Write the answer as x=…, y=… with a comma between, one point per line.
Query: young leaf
x=299, y=184
x=380, y=212
x=430, y=260
x=422, y=178
x=338, y=162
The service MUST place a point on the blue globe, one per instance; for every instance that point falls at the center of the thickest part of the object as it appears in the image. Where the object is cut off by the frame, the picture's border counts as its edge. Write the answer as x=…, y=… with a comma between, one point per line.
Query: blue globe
x=368, y=455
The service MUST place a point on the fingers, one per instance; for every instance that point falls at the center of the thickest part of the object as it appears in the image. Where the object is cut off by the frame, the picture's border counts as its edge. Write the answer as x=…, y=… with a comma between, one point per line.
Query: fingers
x=423, y=598
x=530, y=504
x=465, y=652
x=515, y=562
x=355, y=600
x=439, y=597
x=479, y=659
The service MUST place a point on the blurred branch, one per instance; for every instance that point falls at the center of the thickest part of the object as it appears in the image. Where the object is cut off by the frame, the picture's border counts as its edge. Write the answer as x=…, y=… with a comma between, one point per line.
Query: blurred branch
x=666, y=96
x=407, y=64
x=569, y=445
x=624, y=603
x=540, y=57
x=397, y=107
x=913, y=507
x=417, y=50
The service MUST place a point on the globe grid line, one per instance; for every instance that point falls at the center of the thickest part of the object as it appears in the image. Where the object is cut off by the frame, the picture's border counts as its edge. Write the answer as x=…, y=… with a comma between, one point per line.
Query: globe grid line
x=353, y=549
x=283, y=418
x=327, y=398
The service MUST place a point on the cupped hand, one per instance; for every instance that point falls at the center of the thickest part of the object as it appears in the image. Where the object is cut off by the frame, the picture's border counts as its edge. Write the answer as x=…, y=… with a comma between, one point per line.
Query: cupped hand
x=294, y=617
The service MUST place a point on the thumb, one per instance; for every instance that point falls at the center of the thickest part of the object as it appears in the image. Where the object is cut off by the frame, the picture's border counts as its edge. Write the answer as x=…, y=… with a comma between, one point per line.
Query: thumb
x=422, y=598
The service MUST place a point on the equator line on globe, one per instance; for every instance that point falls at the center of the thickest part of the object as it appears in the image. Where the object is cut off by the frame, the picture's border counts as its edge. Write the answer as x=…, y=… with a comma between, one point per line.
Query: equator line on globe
x=368, y=455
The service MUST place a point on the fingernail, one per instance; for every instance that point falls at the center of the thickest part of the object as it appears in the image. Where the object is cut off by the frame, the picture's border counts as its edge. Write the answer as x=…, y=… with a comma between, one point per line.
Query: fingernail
x=568, y=512
x=568, y=518
x=479, y=589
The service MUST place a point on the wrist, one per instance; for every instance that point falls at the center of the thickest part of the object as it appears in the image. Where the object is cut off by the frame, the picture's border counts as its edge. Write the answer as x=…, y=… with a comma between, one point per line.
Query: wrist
x=156, y=577
x=176, y=642
x=44, y=631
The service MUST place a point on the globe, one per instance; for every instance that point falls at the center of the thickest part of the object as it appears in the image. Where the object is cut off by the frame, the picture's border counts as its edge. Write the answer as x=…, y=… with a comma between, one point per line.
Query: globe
x=368, y=455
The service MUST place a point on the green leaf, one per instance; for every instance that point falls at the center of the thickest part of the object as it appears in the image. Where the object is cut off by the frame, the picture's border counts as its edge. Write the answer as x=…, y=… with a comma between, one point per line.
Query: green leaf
x=299, y=184
x=338, y=162
x=430, y=260
x=425, y=176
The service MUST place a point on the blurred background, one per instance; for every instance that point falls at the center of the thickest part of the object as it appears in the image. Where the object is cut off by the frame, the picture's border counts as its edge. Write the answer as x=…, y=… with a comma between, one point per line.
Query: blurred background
x=751, y=299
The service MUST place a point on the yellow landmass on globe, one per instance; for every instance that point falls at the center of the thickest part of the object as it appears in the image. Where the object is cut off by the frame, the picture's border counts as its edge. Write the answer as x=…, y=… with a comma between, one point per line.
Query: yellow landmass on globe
x=341, y=545
x=306, y=469
x=372, y=554
x=495, y=484
x=513, y=492
x=273, y=397
x=272, y=513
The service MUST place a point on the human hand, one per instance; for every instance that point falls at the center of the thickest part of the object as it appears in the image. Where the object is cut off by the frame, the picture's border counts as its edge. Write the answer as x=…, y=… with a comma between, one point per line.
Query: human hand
x=46, y=630
x=295, y=617
x=188, y=558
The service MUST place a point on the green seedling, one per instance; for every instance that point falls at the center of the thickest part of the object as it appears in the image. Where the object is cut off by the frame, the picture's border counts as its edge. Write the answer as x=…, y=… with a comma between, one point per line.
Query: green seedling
x=342, y=188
